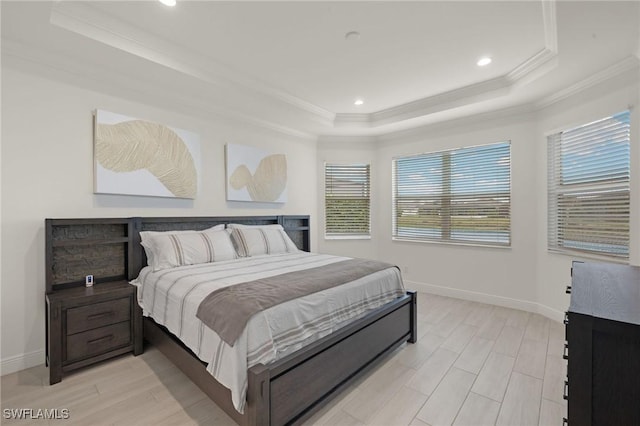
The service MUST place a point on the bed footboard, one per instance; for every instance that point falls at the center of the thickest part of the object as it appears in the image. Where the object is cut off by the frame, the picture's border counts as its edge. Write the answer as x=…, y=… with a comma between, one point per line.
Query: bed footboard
x=290, y=390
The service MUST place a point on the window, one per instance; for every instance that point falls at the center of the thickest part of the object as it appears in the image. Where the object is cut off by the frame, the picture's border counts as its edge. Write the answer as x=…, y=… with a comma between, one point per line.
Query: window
x=457, y=196
x=347, y=202
x=588, y=188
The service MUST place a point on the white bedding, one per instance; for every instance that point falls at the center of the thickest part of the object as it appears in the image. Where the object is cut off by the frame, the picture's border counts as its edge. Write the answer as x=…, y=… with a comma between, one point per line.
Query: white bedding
x=172, y=296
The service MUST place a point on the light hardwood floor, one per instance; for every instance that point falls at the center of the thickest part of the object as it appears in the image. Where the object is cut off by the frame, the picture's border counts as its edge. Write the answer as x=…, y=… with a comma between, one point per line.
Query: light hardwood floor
x=474, y=364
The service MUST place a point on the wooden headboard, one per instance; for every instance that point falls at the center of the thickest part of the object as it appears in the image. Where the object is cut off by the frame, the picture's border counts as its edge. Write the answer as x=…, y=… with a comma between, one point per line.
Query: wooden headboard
x=297, y=227
x=110, y=250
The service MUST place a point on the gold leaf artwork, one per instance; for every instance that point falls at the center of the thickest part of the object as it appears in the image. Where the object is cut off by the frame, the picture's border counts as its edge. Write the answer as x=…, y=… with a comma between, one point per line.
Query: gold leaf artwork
x=134, y=145
x=267, y=183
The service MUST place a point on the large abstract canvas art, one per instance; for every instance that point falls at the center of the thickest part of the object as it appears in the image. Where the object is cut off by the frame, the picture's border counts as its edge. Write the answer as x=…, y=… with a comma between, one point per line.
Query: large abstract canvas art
x=255, y=175
x=137, y=157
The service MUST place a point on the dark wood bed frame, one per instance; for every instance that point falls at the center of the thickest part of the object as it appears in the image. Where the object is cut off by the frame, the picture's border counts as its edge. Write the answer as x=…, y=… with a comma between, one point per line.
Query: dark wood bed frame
x=289, y=390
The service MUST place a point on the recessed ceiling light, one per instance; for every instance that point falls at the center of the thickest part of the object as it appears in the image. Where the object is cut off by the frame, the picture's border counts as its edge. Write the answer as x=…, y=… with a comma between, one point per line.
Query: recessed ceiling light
x=358, y=102
x=170, y=3
x=482, y=62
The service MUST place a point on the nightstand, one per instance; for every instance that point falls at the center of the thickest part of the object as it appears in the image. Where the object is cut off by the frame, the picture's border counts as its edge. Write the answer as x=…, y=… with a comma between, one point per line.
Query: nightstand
x=90, y=324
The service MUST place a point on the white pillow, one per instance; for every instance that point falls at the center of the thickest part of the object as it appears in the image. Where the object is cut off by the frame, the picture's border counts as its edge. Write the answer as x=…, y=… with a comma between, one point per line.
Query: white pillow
x=257, y=240
x=170, y=249
x=146, y=243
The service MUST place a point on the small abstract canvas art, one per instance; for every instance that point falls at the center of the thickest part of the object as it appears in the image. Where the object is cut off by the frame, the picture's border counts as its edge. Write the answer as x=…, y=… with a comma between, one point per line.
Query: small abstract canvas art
x=137, y=157
x=255, y=175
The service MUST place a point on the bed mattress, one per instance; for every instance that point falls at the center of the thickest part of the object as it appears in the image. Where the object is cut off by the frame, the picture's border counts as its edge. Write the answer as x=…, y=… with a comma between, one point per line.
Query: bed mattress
x=172, y=296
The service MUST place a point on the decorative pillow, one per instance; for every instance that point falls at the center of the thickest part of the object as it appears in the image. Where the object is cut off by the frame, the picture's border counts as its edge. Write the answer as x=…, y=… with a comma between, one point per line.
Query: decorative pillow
x=257, y=240
x=187, y=248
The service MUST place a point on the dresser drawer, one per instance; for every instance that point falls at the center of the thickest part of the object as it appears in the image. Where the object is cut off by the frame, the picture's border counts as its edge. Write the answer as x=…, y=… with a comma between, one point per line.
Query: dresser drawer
x=98, y=315
x=94, y=342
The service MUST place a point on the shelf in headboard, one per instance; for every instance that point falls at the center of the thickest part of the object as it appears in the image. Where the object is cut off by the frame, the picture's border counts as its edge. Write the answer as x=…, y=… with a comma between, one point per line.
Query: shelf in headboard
x=76, y=248
x=109, y=248
x=89, y=242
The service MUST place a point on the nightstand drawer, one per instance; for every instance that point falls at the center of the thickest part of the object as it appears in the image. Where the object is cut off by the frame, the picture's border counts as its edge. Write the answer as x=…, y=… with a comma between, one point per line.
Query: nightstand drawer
x=98, y=315
x=93, y=342
x=86, y=325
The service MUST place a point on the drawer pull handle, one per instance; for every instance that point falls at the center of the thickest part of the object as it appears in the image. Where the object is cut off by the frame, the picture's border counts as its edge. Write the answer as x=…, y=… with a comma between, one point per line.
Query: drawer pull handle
x=565, y=393
x=100, y=315
x=565, y=354
x=101, y=339
x=568, y=290
x=566, y=318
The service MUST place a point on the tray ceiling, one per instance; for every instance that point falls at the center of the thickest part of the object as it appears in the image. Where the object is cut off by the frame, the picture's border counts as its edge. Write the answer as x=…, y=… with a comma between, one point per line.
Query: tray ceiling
x=414, y=62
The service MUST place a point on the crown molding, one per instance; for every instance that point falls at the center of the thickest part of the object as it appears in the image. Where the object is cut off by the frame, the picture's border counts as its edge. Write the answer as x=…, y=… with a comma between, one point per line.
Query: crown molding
x=49, y=64
x=550, y=51
x=42, y=61
x=532, y=68
x=352, y=120
x=523, y=110
x=484, y=90
x=628, y=63
x=87, y=21
x=346, y=141
x=473, y=93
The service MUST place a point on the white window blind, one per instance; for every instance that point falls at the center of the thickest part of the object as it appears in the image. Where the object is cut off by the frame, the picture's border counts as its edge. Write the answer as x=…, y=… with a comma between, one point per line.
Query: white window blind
x=588, y=188
x=459, y=196
x=347, y=200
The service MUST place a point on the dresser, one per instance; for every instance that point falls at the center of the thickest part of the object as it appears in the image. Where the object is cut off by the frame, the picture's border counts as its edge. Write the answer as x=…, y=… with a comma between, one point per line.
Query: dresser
x=603, y=345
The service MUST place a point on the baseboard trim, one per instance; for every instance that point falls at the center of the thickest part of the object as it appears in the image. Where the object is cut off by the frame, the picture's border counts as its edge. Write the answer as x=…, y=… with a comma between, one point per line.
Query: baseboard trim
x=551, y=313
x=21, y=362
x=523, y=305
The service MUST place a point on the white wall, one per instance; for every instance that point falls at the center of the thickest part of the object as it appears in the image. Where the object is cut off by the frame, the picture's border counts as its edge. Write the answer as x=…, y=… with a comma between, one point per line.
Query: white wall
x=47, y=171
x=525, y=275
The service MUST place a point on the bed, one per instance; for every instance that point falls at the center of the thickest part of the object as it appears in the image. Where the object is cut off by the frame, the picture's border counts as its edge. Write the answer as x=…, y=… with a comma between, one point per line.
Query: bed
x=283, y=386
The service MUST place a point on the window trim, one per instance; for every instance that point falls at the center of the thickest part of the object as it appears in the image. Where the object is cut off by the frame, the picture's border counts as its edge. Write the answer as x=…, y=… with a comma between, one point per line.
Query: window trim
x=450, y=242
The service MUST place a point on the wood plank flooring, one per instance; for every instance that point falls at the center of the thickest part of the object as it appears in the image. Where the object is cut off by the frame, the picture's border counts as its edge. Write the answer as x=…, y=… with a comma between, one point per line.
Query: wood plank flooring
x=474, y=364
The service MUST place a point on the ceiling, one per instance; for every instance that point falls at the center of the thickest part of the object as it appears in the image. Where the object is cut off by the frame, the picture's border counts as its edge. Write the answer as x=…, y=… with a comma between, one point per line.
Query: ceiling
x=290, y=66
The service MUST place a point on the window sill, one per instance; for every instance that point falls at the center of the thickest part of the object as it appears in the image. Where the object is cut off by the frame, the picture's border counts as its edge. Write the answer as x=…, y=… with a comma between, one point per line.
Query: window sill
x=347, y=237
x=453, y=243
x=578, y=255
